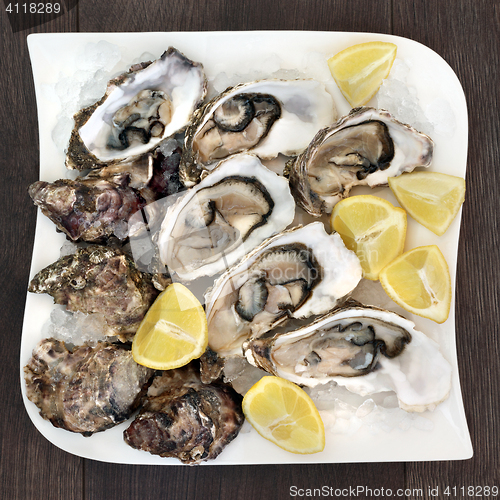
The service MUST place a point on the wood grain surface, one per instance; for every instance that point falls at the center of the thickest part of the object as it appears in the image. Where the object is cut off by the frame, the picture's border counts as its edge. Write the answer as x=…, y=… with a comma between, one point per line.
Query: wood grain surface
x=466, y=34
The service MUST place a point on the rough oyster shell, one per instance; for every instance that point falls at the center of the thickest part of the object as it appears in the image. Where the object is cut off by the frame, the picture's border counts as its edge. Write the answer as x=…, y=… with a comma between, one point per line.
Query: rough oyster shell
x=186, y=419
x=265, y=117
x=99, y=279
x=364, y=348
x=103, y=203
x=151, y=102
x=296, y=274
x=225, y=216
x=88, y=389
x=363, y=148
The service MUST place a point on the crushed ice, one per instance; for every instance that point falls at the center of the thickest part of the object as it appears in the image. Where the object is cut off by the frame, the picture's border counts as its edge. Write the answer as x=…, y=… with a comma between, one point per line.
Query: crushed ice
x=241, y=374
x=75, y=328
x=96, y=65
x=401, y=100
x=344, y=412
x=269, y=68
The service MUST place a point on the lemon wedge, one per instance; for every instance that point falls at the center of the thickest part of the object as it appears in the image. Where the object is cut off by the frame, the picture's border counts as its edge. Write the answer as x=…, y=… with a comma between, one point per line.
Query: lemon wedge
x=419, y=281
x=283, y=413
x=372, y=228
x=173, y=332
x=431, y=198
x=360, y=69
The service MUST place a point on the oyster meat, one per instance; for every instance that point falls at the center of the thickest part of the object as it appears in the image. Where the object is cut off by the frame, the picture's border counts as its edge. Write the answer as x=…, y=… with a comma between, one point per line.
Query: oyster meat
x=363, y=148
x=226, y=215
x=295, y=274
x=150, y=103
x=186, y=419
x=87, y=389
x=266, y=117
x=364, y=348
x=103, y=280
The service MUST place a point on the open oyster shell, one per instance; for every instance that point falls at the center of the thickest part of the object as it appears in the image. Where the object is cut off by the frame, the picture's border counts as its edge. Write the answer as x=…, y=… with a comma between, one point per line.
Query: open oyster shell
x=152, y=102
x=229, y=213
x=265, y=117
x=364, y=348
x=363, y=148
x=296, y=274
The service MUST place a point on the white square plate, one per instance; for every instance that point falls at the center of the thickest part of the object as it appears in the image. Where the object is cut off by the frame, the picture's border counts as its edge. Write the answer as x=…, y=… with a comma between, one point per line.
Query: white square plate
x=61, y=62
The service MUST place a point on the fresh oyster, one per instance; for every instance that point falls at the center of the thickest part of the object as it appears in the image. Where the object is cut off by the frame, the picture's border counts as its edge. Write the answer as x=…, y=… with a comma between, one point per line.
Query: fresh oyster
x=151, y=102
x=225, y=216
x=87, y=389
x=266, y=117
x=103, y=280
x=363, y=148
x=295, y=274
x=101, y=204
x=365, y=349
x=186, y=419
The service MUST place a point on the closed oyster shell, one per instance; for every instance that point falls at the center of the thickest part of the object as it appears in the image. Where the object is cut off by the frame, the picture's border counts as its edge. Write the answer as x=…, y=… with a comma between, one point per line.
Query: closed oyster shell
x=90, y=209
x=103, y=280
x=109, y=201
x=363, y=148
x=87, y=389
x=186, y=419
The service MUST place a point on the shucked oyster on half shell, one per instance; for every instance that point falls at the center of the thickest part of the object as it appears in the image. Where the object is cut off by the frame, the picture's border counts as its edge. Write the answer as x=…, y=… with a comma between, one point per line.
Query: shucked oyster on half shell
x=236, y=207
x=296, y=274
x=265, y=117
x=363, y=148
x=152, y=102
x=364, y=348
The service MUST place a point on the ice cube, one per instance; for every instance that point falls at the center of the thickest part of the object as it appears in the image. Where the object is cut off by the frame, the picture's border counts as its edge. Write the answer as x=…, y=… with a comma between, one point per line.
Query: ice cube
x=440, y=113
x=102, y=54
x=221, y=82
x=367, y=407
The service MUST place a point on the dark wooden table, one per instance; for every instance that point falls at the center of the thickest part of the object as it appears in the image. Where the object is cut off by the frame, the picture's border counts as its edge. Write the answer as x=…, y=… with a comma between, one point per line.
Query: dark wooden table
x=466, y=34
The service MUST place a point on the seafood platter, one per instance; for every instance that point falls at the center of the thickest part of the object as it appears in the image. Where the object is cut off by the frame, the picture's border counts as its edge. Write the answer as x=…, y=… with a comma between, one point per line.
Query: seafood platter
x=195, y=158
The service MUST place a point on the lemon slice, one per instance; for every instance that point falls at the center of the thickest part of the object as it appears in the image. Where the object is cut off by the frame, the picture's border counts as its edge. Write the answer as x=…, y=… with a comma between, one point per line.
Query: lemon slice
x=283, y=413
x=419, y=281
x=371, y=227
x=360, y=69
x=431, y=198
x=173, y=332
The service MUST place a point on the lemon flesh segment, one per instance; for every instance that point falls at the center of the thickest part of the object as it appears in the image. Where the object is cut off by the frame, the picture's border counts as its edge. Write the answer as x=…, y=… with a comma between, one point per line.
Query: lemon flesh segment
x=173, y=332
x=419, y=281
x=373, y=228
x=283, y=413
x=360, y=69
x=433, y=199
